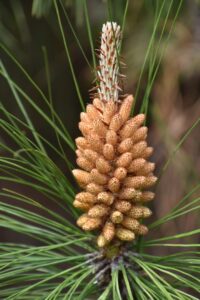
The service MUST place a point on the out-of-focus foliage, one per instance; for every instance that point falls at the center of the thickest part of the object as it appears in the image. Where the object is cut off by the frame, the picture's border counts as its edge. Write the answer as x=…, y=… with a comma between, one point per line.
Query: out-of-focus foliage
x=39, y=115
x=41, y=8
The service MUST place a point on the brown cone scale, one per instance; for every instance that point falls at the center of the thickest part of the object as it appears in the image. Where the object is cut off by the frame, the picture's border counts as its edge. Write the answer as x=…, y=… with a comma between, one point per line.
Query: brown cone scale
x=114, y=172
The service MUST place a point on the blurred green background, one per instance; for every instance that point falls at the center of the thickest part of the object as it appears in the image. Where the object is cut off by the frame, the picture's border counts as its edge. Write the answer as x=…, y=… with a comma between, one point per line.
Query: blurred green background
x=30, y=28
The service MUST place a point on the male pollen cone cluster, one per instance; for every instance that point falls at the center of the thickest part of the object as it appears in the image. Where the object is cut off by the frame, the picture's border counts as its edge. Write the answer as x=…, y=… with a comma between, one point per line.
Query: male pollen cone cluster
x=112, y=155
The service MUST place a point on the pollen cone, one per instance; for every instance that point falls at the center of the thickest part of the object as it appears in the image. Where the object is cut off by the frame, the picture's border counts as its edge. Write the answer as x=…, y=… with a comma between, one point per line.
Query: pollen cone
x=113, y=171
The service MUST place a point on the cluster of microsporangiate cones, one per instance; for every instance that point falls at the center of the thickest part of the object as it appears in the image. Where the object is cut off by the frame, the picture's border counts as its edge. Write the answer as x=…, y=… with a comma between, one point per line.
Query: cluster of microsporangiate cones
x=114, y=172
x=112, y=155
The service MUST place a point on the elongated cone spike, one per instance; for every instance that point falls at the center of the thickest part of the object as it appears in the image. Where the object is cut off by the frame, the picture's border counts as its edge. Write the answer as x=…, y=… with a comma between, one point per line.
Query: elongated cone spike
x=108, y=151
x=105, y=197
x=101, y=241
x=91, y=224
x=114, y=185
x=141, y=230
x=103, y=165
x=91, y=155
x=147, y=196
x=81, y=205
x=127, y=193
x=94, y=188
x=122, y=206
x=116, y=217
x=138, y=212
x=136, y=165
x=82, y=143
x=109, y=231
x=98, y=211
x=120, y=173
x=111, y=137
x=82, y=177
x=125, y=234
x=140, y=134
x=82, y=220
x=98, y=178
x=92, y=112
x=130, y=223
x=124, y=160
x=86, y=197
x=112, y=155
x=125, y=145
x=125, y=108
x=109, y=111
